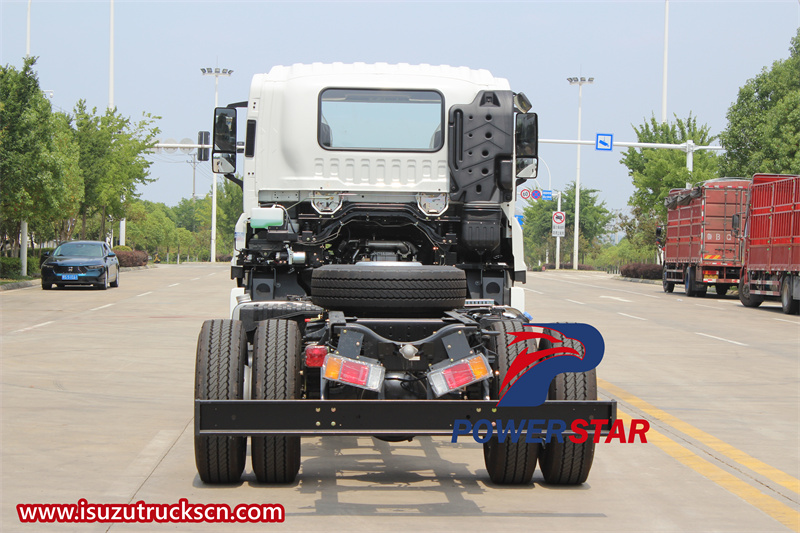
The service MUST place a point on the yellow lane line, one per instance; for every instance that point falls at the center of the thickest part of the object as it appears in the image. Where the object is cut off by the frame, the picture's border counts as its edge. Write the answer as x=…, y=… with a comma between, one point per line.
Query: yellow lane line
x=773, y=474
x=767, y=504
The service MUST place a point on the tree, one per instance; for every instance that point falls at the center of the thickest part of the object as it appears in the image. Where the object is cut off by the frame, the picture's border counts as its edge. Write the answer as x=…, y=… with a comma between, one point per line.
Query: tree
x=655, y=171
x=537, y=227
x=763, y=133
x=154, y=232
x=111, y=150
x=229, y=207
x=40, y=179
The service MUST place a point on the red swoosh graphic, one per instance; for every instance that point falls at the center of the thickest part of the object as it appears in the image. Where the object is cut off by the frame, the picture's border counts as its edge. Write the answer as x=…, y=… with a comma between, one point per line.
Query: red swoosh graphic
x=527, y=360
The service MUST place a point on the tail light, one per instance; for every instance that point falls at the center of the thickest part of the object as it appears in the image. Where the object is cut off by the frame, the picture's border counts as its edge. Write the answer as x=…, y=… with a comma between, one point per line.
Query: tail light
x=459, y=374
x=315, y=355
x=352, y=372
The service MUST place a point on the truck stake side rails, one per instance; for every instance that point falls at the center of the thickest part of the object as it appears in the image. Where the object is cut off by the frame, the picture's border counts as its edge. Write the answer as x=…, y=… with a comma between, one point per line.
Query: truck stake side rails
x=378, y=266
x=700, y=249
x=771, y=242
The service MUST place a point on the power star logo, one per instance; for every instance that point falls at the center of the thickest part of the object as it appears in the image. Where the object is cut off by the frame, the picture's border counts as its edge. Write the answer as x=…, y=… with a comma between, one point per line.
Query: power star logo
x=566, y=348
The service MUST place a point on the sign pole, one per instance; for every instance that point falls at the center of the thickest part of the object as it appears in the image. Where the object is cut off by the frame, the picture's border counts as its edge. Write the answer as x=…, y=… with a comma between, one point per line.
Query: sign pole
x=558, y=239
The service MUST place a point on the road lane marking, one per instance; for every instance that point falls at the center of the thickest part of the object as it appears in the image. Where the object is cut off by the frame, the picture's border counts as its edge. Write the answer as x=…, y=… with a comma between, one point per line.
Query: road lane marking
x=616, y=298
x=101, y=307
x=531, y=290
x=796, y=323
x=720, y=338
x=556, y=278
x=132, y=478
x=767, y=504
x=33, y=327
x=144, y=293
x=575, y=301
x=735, y=454
x=631, y=316
x=173, y=285
x=194, y=279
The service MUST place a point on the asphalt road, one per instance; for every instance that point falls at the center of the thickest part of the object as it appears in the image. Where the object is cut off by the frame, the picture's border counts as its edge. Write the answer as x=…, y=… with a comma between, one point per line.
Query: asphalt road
x=97, y=391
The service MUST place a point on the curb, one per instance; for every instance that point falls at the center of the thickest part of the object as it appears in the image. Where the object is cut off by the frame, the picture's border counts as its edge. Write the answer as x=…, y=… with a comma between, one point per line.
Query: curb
x=19, y=285
x=639, y=280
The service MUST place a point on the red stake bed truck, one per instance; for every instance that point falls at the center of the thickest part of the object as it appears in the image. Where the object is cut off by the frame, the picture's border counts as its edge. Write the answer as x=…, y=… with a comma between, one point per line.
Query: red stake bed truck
x=771, y=242
x=700, y=249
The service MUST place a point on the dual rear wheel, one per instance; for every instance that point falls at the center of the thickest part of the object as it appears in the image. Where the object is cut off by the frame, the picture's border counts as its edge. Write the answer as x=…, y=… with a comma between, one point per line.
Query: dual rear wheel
x=561, y=463
x=221, y=361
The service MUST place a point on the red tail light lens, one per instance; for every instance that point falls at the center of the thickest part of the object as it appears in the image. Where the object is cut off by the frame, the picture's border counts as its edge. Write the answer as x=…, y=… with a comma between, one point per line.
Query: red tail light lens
x=460, y=374
x=315, y=355
x=351, y=372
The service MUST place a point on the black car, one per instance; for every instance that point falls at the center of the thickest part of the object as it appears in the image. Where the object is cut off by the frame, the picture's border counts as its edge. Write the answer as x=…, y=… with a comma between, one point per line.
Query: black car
x=81, y=263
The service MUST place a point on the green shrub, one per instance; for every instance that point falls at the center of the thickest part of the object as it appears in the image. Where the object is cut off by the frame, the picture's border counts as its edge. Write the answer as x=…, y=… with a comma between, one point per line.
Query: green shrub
x=133, y=258
x=122, y=248
x=11, y=268
x=568, y=266
x=641, y=271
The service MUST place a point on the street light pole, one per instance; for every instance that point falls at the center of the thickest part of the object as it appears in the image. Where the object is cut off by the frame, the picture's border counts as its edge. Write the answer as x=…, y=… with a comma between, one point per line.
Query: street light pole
x=664, y=76
x=216, y=72
x=580, y=83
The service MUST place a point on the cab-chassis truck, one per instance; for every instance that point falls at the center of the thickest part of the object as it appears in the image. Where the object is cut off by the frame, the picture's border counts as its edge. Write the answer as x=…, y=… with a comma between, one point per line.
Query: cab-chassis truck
x=700, y=249
x=378, y=268
x=771, y=242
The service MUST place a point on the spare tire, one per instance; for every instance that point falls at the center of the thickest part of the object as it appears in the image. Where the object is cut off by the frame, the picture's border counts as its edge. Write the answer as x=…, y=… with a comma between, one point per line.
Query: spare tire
x=385, y=288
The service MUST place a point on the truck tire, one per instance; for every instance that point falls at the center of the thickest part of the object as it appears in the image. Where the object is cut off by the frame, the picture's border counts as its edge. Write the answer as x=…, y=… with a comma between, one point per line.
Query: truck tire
x=509, y=463
x=789, y=305
x=721, y=289
x=276, y=376
x=387, y=288
x=569, y=463
x=668, y=286
x=219, y=375
x=688, y=282
x=747, y=299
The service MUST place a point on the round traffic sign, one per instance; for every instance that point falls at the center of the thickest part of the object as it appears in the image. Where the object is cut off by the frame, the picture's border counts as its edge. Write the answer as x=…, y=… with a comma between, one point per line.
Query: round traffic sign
x=525, y=194
x=536, y=194
x=558, y=217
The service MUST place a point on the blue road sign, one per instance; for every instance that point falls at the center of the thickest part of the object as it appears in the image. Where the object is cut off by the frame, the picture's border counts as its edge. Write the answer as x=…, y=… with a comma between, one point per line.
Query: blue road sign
x=604, y=142
x=547, y=194
x=536, y=194
x=521, y=219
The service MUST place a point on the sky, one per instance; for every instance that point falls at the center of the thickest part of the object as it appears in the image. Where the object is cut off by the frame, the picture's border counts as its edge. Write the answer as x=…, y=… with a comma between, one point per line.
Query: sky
x=160, y=47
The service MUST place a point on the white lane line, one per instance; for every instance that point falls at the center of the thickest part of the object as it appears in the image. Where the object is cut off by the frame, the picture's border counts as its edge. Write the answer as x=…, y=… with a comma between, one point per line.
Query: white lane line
x=131, y=479
x=616, y=298
x=631, y=316
x=531, y=290
x=789, y=321
x=707, y=306
x=173, y=285
x=101, y=307
x=574, y=301
x=556, y=278
x=194, y=279
x=33, y=327
x=144, y=293
x=213, y=273
x=720, y=339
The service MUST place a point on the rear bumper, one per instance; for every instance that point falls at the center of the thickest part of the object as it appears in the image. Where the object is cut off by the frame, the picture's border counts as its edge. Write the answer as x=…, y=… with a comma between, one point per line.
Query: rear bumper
x=378, y=417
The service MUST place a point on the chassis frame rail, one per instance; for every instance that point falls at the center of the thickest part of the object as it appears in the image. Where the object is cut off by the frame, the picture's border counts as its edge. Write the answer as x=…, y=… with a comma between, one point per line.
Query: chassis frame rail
x=379, y=417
